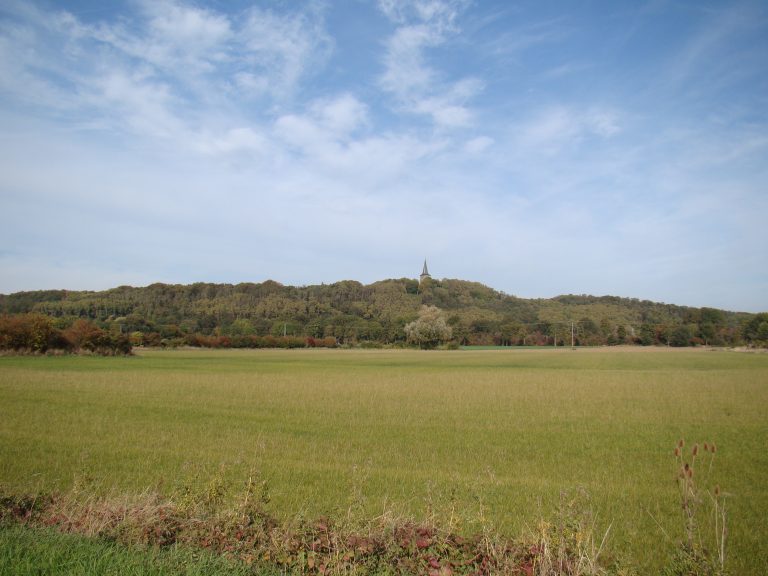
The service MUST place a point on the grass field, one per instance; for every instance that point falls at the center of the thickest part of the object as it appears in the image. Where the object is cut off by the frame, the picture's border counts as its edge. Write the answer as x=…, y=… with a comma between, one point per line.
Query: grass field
x=492, y=436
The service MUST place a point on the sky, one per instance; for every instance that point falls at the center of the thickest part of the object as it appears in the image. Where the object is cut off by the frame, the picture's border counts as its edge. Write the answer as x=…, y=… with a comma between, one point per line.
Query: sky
x=539, y=147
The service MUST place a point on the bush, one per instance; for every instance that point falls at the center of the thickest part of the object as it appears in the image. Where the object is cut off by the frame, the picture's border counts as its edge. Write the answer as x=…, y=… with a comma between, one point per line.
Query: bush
x=33, y=332
x=36, y=333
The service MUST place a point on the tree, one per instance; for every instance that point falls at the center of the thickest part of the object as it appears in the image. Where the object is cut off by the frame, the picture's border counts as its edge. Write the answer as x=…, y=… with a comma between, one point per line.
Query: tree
x=83, y=334
x=756, y=330
x=241, y=327
x=647, y=334
x=681, y=336
x=762, y=331
x=511, y=333
x=429, y=329
x=27, y=331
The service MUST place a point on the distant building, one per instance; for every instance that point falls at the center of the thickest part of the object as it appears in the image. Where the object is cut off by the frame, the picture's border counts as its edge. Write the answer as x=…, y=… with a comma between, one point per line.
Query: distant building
x=424, y=273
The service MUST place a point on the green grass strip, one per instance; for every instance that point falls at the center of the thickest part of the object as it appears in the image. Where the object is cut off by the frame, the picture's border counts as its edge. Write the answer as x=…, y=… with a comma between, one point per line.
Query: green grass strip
x=41, y=551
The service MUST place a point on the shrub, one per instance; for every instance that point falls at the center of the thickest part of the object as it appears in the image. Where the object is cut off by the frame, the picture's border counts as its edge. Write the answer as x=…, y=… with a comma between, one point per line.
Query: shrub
x=33, y=332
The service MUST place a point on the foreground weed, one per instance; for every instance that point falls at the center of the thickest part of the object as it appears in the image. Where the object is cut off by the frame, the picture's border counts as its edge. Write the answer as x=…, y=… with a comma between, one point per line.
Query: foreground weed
x=247, y=533
x=570, y=544
x=703, y=551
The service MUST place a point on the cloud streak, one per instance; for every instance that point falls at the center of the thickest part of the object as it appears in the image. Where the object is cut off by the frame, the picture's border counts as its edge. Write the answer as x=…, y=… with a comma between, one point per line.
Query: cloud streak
x=416, y=85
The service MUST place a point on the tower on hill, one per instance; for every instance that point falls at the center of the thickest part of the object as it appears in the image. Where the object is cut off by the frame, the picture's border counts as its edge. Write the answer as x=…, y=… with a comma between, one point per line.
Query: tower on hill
x=424, y=273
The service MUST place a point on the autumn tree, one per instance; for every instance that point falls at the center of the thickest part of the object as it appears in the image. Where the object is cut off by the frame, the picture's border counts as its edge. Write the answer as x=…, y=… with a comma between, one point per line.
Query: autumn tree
x=33, y=332
x=429, y=329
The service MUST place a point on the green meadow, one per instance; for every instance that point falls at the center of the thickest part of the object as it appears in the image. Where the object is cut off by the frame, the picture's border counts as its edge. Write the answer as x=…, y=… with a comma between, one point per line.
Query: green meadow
x=479, y=438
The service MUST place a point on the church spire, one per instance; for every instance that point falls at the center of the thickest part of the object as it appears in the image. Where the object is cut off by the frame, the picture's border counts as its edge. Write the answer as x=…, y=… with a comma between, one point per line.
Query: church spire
x=424, y=273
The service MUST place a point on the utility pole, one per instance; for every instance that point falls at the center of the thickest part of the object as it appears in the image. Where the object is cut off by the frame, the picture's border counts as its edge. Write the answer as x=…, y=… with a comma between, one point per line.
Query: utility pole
x=572, y=345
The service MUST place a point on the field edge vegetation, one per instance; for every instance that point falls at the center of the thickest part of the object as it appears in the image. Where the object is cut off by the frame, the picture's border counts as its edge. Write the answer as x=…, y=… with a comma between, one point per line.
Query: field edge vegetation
x=237, y=534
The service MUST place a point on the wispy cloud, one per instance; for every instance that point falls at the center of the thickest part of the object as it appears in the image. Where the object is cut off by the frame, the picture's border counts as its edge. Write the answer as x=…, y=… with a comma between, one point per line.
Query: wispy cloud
x=440, y=14
x=333, y=137
x=514, y=42
x=156, y=72
x=556, y=127
x=416, y=85
x=714, y=60
x=281, y=50
x=178, y=39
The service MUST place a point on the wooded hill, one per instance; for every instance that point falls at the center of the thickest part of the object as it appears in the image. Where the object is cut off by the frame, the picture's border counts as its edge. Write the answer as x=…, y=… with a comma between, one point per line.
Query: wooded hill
x=351, y=313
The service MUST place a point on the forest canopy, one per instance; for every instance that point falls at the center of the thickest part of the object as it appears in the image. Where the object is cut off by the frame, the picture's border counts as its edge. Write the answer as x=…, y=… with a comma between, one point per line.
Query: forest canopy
x=270, y=314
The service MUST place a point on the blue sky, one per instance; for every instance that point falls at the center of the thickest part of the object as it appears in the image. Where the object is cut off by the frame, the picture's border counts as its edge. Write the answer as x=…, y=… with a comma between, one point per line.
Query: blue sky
x=540, y=148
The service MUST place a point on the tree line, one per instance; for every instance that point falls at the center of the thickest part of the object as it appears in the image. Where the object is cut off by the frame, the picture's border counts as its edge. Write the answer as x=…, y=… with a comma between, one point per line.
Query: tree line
x=36, y=333
x=348, y=313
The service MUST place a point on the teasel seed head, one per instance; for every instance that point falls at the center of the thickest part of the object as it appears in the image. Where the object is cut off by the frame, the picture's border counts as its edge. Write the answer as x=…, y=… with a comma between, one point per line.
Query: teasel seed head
x=677, y=452
x=680, y=444
x=713, y=448
x=695, y=450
